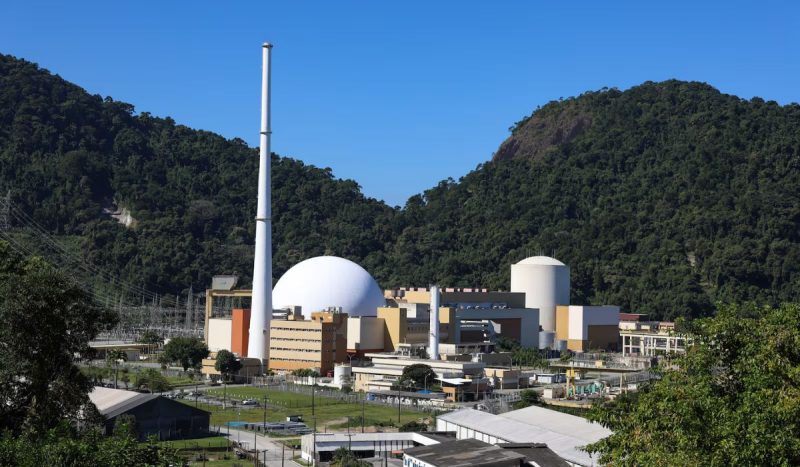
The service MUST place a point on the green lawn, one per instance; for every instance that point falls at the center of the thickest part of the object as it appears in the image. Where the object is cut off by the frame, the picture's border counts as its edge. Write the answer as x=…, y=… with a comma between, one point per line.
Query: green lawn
x=215, y=449
x=282, y=404
x=198, y=443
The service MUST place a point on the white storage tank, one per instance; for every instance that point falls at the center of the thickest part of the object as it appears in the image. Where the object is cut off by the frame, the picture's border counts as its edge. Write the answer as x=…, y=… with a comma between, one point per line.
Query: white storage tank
x=546, y=339
x=342, y=375
x=545, y=282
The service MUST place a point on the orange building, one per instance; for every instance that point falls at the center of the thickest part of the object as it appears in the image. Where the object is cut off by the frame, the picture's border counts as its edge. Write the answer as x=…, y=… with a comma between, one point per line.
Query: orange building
x=240, y=331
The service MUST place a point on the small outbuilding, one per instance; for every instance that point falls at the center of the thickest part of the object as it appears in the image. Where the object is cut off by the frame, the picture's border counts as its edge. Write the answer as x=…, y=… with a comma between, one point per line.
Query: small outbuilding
x=153, y=414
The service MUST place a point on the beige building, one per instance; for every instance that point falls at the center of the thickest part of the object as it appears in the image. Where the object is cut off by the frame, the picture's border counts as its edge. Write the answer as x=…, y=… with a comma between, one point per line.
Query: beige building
x=318, y=343
x=251, y=367
x=467, y=317
x=588, y=327
x=651, y=338
x=459, y=380
x=365, y=334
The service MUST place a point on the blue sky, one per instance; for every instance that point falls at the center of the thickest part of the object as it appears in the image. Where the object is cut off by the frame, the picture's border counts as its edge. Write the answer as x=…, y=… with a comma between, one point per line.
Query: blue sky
x=397, y=95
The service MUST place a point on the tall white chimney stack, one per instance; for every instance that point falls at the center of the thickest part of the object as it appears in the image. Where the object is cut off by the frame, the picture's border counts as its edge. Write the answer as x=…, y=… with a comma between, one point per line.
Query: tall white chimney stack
x=433, y=337
x=261, y=307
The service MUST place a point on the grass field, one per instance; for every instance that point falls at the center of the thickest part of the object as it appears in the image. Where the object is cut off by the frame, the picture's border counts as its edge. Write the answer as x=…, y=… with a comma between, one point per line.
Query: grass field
x=215, y=450
x=330, y=413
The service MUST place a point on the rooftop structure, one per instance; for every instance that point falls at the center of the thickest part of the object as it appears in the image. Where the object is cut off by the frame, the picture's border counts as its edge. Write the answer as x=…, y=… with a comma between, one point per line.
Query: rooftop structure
x=651, y=338
x=154, y=414
x=462, y=453
x=323, y=445
x=564, y=434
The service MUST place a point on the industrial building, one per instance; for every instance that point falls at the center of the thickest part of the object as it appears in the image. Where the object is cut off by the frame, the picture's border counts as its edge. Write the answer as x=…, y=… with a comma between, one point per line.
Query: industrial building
x=588, y=327
x=545, y=283
x=321, y=446
x=437, y=322
x=462, y=453
x=564, y=434
x=317, y=343
x=649, y=338
x=460, y=381
x=466, y=317
x=152, y=413
x=365, y=334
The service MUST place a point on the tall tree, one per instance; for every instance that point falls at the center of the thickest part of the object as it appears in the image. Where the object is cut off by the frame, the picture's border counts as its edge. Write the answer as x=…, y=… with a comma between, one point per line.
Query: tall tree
x=188, y=352
x=227, y=364
x=114, y=357
x=418, y=375
x=47, y=323
x=733, y=399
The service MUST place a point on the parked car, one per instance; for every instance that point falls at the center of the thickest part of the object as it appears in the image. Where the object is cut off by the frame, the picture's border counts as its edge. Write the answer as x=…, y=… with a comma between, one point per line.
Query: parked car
x=249, y=402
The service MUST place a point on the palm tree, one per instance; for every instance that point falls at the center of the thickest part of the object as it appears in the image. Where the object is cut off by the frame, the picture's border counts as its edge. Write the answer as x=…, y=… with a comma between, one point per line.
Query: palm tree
x=114, y=356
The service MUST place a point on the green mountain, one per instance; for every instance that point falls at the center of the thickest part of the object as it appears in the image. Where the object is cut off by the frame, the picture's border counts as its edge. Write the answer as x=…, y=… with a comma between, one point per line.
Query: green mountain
x=67, y=156
x=663, y=198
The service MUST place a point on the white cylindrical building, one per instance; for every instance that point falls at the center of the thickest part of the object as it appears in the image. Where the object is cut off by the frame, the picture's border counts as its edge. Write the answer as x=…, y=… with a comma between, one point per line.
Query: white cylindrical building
x=342, y=375
x=433, y=338
x=261, y=304
x=545, y=282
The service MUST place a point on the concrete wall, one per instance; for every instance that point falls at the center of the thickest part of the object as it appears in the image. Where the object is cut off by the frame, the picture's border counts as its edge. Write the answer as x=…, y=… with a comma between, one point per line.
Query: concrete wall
x=219, y=334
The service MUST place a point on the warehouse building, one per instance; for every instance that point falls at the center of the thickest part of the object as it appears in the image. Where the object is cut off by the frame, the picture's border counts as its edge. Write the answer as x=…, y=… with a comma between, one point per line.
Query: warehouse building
x=564, y=434
x=462, y=453
x=153, y=414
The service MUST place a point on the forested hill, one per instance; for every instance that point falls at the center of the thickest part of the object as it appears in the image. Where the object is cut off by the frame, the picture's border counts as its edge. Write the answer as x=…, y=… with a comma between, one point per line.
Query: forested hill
x=663, y=198
x=66, y=155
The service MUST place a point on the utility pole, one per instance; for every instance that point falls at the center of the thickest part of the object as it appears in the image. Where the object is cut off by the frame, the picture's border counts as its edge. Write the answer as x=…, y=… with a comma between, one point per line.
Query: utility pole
x=188, y=322
x=265, y=414
x=312, y=401
x=398, y=405
x=255, y=448
x=363, y=401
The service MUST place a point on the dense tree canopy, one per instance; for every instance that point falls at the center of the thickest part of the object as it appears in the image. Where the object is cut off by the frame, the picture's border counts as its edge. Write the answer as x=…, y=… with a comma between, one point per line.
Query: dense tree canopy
x=734, y=399
x=663, y=199
x=188, y=352
x=47, y=323
x=64, y=447
x=227, y=364
x=417, y=376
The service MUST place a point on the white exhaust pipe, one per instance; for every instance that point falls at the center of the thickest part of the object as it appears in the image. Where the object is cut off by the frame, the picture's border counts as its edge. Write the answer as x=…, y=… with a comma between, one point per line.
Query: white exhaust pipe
x=433, y=341
x=261, y=307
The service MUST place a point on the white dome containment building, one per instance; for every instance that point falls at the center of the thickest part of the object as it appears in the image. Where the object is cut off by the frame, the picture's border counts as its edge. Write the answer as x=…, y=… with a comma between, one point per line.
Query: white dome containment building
x=545, y=282
x=324, y=282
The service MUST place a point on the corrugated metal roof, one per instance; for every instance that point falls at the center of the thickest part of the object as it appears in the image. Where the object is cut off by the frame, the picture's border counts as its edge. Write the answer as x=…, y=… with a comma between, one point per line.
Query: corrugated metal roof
x=564, y=434
x=112, y=402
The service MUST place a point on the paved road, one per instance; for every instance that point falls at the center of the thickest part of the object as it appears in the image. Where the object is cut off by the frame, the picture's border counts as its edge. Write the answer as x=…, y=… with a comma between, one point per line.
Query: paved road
x=273, y=449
